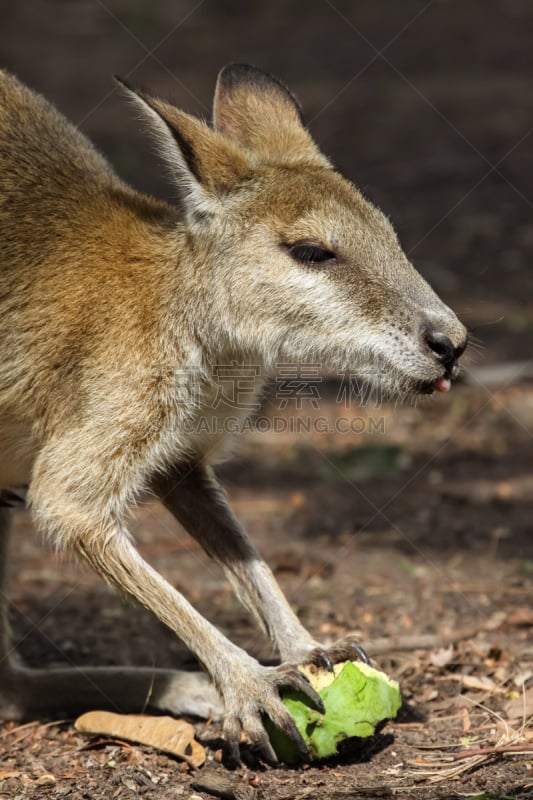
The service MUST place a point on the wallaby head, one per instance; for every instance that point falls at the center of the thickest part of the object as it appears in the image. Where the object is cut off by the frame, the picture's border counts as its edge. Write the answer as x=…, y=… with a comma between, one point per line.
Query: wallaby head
x=301, y=266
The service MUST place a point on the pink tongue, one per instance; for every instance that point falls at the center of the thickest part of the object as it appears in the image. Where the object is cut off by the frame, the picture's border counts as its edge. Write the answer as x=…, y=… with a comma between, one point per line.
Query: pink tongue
x=442, y=385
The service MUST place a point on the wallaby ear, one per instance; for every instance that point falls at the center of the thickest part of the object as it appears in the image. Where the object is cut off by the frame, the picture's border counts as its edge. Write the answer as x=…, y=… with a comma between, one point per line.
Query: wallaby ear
x=203, y=162
x=258, y=112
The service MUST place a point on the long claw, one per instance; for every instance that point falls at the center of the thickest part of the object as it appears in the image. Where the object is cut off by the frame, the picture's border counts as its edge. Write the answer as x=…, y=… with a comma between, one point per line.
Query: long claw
x=303, y=751
x=301, y=683
x=288, y=726
x=345, y=649
x=265, y=749
x=232, y=755
x=232, y=735
x=361, y=653
x=321, y=659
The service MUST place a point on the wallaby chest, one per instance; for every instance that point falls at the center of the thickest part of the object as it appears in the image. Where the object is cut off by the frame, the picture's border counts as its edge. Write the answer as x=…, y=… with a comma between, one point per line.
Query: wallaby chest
x=221, y=408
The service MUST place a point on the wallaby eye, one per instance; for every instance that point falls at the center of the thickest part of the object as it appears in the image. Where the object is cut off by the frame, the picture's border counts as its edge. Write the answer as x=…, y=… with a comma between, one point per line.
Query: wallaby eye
x=310, y=253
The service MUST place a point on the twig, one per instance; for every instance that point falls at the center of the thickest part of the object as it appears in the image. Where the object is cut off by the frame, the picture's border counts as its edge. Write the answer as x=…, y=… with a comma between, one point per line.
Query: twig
x=482, y=751
x=427, y=641
x=19, y=728
x=28, y=726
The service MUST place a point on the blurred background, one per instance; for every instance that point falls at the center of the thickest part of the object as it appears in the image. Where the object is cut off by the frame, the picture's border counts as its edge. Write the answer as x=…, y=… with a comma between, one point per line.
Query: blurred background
x=423, y=525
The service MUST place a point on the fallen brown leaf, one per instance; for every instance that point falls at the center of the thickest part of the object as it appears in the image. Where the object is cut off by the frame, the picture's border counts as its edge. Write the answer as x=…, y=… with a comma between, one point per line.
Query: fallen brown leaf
x=174, y=736
x=482, y=684
x=520, y=708
x=467, y=723
x=9, y=773
x=521, y=616
x=441, y=657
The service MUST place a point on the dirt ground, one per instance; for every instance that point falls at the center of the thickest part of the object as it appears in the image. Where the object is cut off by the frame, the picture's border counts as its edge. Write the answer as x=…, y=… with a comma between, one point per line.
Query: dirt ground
x=415, y=528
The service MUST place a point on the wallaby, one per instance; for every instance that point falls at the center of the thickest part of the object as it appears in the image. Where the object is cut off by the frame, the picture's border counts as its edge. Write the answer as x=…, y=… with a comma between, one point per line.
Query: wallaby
x=114, y=307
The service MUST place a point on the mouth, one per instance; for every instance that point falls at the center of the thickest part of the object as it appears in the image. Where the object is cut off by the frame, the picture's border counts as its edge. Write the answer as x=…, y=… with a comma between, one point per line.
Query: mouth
x=441, y=384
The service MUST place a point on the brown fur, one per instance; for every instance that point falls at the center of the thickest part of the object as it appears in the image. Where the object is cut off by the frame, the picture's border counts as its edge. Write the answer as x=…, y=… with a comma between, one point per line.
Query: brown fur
x=114, y=307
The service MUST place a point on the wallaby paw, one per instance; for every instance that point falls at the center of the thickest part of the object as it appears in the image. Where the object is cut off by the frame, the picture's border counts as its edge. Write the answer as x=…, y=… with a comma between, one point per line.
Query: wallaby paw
x=312, y=652
x=256, y=694
x=345, y=649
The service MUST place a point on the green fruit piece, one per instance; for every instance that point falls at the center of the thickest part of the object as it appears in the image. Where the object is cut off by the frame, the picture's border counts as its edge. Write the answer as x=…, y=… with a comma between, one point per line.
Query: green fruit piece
x=357, y=697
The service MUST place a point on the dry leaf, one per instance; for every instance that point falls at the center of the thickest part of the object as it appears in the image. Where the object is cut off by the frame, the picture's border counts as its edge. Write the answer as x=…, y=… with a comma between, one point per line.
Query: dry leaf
x=45, y=780
x=522, y=678
x=467, y=724
x=520, y=708
x=482, y=684
x=9, y=773
x=174, y=736
x=523, y=615
x=442, y=657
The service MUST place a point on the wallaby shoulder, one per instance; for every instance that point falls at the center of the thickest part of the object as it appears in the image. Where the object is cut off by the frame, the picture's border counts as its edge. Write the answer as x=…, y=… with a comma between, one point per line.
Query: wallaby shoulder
x=85, y=264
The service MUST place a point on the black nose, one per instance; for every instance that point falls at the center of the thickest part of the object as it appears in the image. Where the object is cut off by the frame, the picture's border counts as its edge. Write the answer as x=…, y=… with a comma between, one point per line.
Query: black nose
x=443, y=348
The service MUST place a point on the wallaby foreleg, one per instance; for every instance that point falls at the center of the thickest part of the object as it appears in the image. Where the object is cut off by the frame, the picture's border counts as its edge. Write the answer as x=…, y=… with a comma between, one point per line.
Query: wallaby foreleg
x=249, y=690
x=196, y=499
